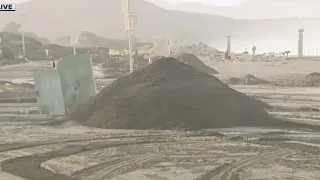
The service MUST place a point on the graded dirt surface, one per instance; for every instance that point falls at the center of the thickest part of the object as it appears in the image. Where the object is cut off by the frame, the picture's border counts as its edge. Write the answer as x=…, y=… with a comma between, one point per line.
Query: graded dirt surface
x=30, y=150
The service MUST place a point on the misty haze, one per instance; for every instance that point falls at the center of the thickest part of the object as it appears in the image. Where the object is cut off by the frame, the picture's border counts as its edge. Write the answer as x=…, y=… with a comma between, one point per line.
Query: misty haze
x=277, y=33
x=159, y=89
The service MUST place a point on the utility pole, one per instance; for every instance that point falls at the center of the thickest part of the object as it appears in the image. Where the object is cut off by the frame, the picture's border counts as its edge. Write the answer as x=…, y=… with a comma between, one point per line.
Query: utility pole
x=129, y=29
x=169, y=48
x=47, y=53
x=300, y=43
x=22, y=38
x=74, y=50
x=1, y=57
x=229, y=46
x=74, y=42
x=23, y=45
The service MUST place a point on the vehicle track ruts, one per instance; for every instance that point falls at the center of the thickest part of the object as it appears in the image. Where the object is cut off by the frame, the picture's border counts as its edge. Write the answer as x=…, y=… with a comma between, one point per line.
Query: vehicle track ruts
x=146, y=162
x=300, y=147
x=228, y=170
x=107, y=152
x=17, y=146
x=214, y=172
x=232, y=175
x=29, y=167
x=86, y=172
x=120, y=167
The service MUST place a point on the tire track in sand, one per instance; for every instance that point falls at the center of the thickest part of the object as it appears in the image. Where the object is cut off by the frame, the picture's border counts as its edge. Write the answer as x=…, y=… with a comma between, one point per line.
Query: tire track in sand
x=75, y=163
x=102, y=171
x=17, y=146
x=228, y=170
x=122, y=167
x=29, y=167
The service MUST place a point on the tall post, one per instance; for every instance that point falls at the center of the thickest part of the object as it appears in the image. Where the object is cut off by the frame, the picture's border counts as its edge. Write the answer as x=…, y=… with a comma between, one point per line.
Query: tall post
x=74, y=41
x=23, y=45
x=74, y=50
x=129, y=29
x=169, y=48
x=229, y=45
x=47, y=53
x=130, y=52
x=1, y=57
x=254, y=48
x=300, y=43
x=22, y=37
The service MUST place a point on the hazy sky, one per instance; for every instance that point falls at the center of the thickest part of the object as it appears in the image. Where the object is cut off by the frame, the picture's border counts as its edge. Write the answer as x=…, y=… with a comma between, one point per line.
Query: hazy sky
x=11, y=1
x=214, y=2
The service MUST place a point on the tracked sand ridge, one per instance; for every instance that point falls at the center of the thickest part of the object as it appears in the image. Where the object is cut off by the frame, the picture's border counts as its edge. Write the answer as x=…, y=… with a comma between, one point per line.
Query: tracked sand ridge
x=310, y=80
x=195, y=62
x=169, y=94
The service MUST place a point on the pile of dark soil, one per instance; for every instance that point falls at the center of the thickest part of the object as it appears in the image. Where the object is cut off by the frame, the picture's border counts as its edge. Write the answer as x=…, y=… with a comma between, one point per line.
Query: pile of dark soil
x=246, y=80
x=195, y=62
x=169, y=94
x=310, y=80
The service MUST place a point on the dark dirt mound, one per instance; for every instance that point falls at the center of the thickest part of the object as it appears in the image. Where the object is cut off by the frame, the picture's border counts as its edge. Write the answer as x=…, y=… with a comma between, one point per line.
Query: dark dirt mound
x=310, y=80
x=195, y=62
x=246, y=80
x=169, y=94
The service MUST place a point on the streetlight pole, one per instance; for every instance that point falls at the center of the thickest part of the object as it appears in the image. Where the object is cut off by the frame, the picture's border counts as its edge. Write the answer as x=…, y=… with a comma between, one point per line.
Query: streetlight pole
x=74, y=50
x=23, y=45
x=1, y=57
x=129, y=29
x=22, y=39
x=74, y=41
x=300, y=43
x=229, y=47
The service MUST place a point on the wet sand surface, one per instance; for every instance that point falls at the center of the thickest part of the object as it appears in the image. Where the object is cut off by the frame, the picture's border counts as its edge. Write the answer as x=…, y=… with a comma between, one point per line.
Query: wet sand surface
x=32, y=150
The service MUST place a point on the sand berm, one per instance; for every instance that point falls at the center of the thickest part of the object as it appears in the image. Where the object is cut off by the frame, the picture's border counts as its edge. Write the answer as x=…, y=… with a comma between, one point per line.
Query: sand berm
x=195, y=62
x=170, y=94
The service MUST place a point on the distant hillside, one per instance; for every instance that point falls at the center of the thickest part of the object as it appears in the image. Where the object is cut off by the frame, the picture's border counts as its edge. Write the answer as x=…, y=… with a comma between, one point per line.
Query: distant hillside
x=14, y=40
x=252, y=9
x=105, y=18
